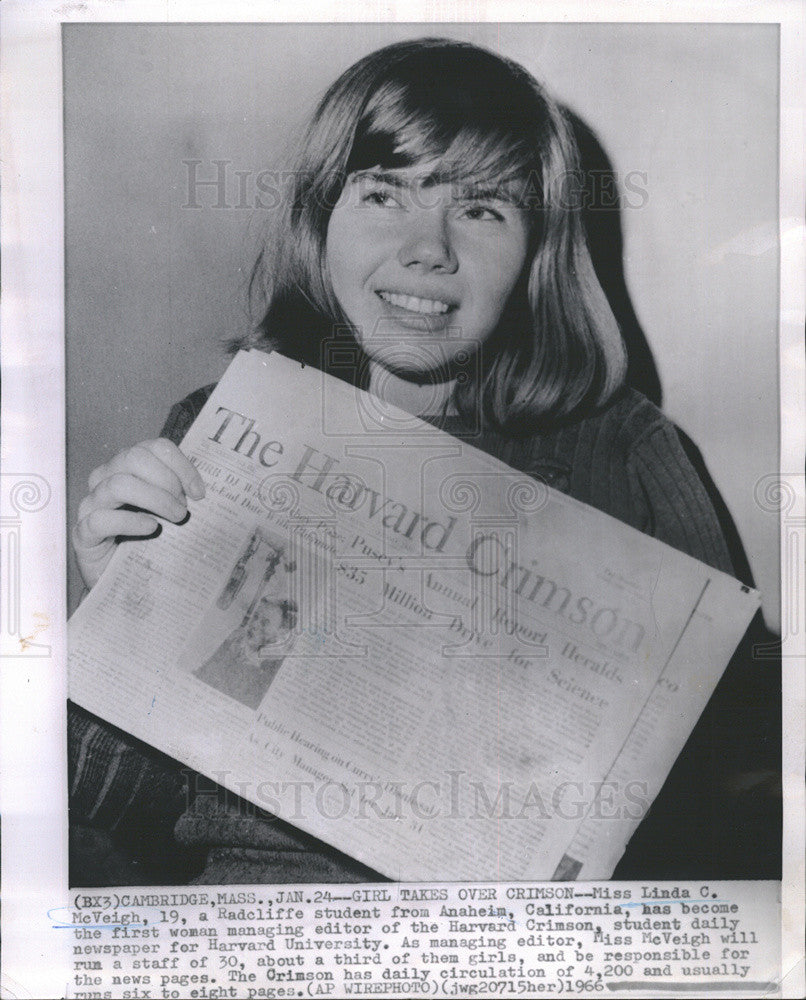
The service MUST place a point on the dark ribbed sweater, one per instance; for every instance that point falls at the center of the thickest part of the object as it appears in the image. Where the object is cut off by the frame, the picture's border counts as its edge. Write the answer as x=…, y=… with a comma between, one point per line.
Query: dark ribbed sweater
x=626, y=460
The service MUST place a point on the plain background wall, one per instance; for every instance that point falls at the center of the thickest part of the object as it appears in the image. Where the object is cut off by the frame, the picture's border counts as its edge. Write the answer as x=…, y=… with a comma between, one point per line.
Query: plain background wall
x=154, y=287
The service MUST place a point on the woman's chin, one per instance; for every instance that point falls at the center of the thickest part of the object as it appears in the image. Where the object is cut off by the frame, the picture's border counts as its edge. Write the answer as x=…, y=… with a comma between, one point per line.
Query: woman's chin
x=426, y=375
x=414, y=362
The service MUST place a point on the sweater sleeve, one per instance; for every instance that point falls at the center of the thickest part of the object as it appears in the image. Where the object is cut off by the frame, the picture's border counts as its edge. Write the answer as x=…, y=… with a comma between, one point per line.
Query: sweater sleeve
x=114, y=777
x=673, y=503
x=183, y=414
x=718, y=814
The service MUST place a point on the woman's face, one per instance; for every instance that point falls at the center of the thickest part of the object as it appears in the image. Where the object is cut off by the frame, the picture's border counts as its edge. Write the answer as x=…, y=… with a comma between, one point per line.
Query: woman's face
x=423, y=270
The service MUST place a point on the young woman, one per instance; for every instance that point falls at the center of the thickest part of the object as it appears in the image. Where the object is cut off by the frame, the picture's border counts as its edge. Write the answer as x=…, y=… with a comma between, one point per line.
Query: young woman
x=434, y=225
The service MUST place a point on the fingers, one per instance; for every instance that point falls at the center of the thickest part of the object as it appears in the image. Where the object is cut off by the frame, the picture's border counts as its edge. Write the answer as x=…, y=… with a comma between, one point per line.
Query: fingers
x=159, y=462
x=167, y=452
x=121, y=490
x=154, y=477
x=128, y=497
x=103, y=526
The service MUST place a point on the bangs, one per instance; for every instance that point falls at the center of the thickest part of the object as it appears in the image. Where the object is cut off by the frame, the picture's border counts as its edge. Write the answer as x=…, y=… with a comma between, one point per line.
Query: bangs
x=452, y=117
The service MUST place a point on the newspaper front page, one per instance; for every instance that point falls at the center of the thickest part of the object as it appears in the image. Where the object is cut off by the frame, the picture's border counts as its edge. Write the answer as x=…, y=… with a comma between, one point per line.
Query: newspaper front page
x=410, y=630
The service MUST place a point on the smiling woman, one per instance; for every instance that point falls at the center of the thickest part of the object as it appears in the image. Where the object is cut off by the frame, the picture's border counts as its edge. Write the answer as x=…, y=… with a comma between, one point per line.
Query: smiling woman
x=433, y=227
x=437, y=171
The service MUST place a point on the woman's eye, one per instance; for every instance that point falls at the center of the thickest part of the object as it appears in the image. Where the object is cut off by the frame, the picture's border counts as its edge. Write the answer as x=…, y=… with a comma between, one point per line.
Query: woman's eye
x=384, y=199
x=482, y=213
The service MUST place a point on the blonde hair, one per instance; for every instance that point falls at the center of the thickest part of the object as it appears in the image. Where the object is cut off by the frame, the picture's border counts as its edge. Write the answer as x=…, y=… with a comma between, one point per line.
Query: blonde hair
x=558, y=350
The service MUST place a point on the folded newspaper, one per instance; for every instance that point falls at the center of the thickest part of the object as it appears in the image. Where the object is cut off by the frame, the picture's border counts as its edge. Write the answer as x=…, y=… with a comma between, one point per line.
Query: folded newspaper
x=392, y=640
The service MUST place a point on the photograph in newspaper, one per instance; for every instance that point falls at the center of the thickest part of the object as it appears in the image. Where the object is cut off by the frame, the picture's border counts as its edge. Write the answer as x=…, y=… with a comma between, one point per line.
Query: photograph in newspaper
x=437, y=590
x=249, y=638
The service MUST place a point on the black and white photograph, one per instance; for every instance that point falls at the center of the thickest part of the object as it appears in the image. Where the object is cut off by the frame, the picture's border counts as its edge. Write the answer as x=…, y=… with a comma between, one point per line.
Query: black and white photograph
x=174, y=163
x=428, y=507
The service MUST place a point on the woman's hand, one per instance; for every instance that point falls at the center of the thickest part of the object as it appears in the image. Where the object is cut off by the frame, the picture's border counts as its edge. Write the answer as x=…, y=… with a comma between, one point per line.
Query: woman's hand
x=154, y=477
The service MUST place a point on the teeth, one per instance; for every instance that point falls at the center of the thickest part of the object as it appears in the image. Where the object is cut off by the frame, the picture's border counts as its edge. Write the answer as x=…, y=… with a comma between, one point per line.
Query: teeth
x=413, y=304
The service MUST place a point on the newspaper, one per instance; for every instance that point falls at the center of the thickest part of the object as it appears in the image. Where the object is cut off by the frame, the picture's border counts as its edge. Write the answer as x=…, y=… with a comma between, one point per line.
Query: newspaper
x=421, y=637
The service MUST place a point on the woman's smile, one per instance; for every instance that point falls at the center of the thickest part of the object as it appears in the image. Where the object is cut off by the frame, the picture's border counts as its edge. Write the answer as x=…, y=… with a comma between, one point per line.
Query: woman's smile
x=412, y=303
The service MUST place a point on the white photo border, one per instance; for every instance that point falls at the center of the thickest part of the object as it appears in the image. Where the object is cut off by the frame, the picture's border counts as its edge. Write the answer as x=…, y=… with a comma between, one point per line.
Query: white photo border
x=33, y=806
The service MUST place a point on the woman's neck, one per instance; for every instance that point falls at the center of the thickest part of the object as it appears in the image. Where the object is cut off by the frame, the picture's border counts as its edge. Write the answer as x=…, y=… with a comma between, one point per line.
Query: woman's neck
x=421, y=400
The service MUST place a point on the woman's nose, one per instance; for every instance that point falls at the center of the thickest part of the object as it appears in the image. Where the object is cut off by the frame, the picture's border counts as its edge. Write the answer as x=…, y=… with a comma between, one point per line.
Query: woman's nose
x=427, y=243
